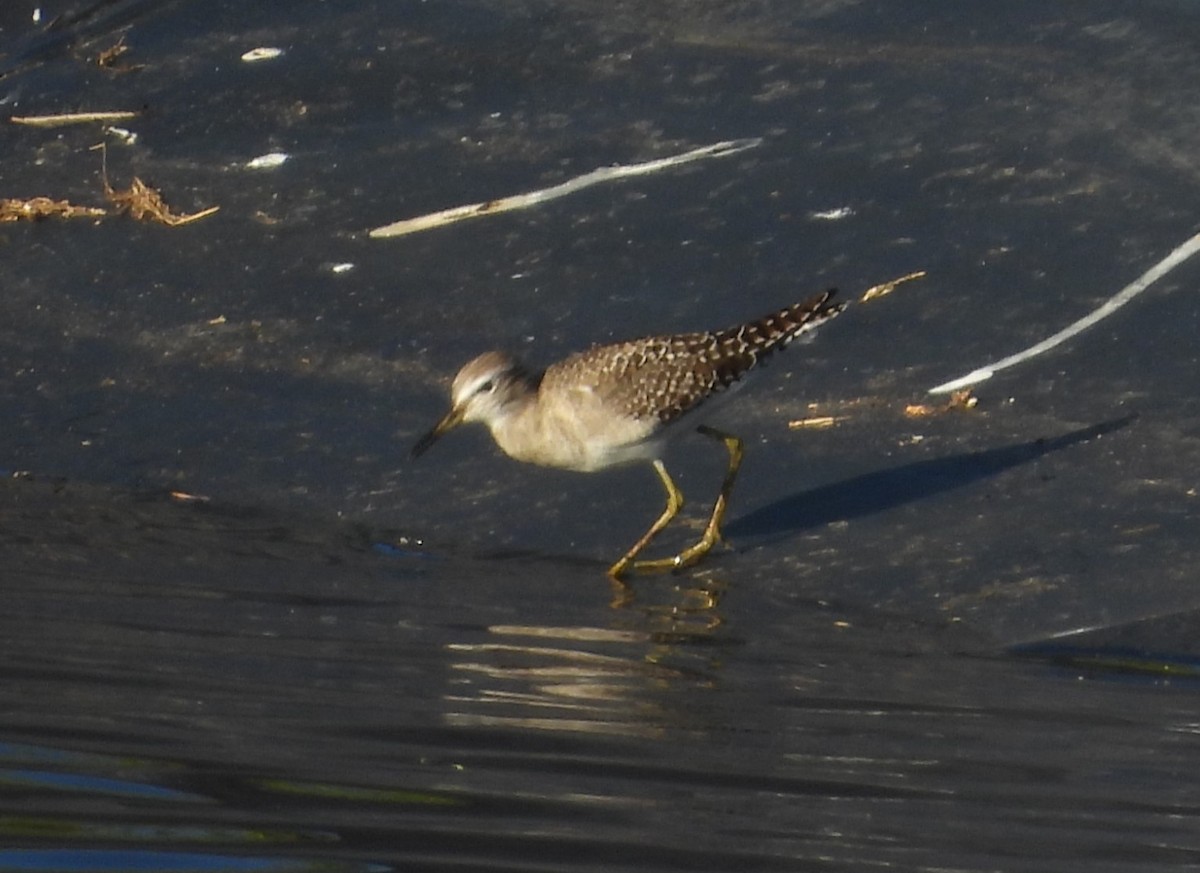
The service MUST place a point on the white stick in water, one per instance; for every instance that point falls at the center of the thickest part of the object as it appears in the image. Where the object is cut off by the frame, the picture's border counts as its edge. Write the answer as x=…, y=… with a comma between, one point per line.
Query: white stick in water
x=1166, y=265
x=533, y=198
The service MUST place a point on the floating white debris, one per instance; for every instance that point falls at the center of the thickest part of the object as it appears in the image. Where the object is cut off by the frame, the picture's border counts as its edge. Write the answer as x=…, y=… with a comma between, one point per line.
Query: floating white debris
x=126, y=136
x=1180, y=254
x=338, y=269
x=269, y=161
x=262, y=53
x=832, y=214
x=37, y=14
x=534, y=198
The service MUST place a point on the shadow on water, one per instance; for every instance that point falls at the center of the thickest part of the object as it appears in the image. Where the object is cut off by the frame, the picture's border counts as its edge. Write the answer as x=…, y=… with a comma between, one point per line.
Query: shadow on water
x=886, y=489
x=1154, y=649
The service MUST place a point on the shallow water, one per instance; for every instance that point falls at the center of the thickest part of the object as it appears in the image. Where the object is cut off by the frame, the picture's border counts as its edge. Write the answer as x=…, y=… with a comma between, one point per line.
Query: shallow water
x=196, y=688
x=241, y=631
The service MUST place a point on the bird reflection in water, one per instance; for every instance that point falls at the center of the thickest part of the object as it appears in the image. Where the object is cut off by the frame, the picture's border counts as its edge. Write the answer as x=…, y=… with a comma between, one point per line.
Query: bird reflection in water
x=595, y=680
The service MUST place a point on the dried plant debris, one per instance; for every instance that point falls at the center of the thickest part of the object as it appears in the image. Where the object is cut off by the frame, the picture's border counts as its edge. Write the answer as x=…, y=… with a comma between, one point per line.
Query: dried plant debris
x=143, y=203
x=108, y=59
x=140, y=201
x=958, y=400
x=38, y=208
x=832, y=414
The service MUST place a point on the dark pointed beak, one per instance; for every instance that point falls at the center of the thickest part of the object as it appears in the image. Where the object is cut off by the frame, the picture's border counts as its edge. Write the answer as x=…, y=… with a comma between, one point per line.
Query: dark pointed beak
x=451, y=420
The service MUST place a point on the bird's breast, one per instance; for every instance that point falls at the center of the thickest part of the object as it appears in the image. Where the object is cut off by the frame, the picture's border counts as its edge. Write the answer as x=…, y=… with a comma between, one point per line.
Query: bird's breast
x=577, y=432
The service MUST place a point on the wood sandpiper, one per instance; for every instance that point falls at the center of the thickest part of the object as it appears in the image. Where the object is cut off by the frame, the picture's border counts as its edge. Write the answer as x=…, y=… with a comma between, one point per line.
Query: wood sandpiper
x=621, y=403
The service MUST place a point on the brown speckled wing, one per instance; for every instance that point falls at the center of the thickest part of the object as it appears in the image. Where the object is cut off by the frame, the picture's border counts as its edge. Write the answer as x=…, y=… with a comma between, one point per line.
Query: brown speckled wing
x=665, y=376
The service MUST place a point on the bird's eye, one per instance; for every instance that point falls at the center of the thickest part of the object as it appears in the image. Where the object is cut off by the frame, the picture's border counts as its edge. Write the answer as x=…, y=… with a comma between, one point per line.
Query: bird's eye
x=487, y=387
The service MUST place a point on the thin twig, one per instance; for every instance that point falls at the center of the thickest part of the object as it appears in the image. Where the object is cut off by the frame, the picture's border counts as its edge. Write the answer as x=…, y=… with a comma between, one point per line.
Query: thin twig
x=1166, y=265
x=72, y=118
x=534, y=198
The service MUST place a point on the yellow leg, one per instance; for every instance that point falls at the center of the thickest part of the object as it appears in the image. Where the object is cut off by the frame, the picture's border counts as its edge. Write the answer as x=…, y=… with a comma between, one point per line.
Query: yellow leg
x=734, y=446
x=674, y=504
x=712, y=531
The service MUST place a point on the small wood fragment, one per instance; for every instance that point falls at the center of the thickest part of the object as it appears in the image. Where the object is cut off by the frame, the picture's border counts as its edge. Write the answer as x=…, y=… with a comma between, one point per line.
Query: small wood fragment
x=818, y=422
x=958, y=400
x=108, y=58
x=885, y=288
x=542, y=195
x=67, y=118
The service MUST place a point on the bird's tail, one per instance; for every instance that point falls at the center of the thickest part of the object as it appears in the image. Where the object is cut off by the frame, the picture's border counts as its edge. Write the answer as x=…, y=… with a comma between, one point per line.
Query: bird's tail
x=772, y=332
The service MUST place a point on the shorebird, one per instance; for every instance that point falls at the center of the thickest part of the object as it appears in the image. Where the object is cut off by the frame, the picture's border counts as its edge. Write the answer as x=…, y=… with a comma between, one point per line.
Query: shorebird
x=622, y=403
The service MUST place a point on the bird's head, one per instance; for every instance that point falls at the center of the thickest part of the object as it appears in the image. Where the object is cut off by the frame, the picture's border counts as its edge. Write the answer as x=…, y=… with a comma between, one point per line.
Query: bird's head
x=486, y=389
